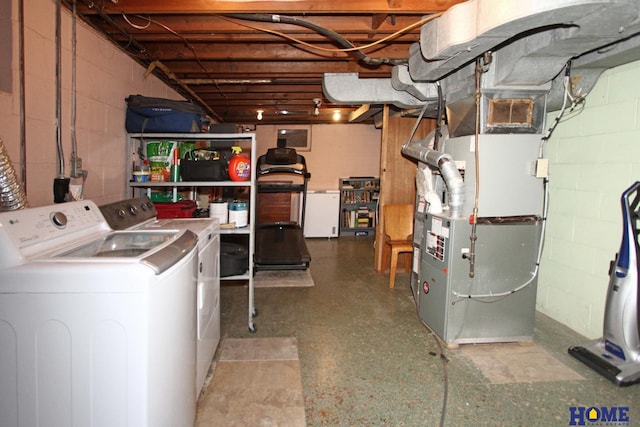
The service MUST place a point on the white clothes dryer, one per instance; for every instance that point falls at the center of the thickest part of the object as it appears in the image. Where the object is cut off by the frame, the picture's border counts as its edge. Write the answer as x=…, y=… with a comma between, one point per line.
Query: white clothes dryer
x=140, y=214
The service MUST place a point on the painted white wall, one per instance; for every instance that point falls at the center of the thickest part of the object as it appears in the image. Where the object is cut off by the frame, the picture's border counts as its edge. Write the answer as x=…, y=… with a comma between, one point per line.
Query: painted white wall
x=105, y=77
x=594, y=156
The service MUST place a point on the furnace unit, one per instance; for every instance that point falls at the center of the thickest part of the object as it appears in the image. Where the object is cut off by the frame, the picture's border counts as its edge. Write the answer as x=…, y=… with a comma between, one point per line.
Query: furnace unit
x=493, y=299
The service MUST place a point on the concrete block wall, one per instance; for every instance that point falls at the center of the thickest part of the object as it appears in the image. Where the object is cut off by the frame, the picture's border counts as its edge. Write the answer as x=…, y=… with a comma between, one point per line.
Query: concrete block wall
x=105, y=77
x=594, y=156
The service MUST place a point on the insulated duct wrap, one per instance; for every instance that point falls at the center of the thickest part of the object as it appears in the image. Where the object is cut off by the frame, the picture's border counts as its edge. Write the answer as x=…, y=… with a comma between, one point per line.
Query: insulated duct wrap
x=12, y=196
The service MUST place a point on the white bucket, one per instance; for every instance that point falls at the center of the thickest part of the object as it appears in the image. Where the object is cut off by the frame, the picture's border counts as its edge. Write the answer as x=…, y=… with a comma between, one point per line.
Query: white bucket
x=220, y=211
x=239, y=213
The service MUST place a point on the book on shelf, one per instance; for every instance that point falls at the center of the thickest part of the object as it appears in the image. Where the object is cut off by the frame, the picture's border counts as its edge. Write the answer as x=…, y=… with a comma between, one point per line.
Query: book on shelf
x=349, y=196
x=362, y=217
x=359, y=202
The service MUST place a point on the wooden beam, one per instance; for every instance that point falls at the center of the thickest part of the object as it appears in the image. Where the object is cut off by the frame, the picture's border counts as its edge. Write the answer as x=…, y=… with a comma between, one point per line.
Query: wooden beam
x=377, y=20
x=397, y=173
x=364, y=112
x=258, y=69
x=215, y=24
x=265, y=51
x=308, y=7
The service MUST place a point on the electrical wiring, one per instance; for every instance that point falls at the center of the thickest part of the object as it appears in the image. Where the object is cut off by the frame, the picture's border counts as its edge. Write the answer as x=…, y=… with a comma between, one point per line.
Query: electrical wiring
x=170, y=30
x=576, y=100
x=181, y=37
x=137, y=27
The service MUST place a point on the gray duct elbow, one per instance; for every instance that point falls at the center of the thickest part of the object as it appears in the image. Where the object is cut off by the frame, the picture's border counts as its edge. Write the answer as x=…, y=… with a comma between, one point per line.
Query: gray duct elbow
x=447, y=167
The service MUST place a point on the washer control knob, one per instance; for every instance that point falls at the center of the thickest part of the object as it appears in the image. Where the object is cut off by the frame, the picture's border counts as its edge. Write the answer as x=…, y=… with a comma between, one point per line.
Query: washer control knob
x=59, y=219
x=122, y=213
x=133, y=209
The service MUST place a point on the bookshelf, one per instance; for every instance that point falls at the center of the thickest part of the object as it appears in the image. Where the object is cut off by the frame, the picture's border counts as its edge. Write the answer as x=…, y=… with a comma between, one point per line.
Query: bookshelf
x=359, y=205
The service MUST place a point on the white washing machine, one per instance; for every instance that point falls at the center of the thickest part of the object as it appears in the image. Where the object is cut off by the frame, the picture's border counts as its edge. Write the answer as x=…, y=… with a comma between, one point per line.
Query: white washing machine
x=140, y=214
x=97, y=328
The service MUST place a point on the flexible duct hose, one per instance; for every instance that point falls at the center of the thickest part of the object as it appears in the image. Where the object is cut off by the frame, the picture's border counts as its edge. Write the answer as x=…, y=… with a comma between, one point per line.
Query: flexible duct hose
x=12, y=197
x=265, y=17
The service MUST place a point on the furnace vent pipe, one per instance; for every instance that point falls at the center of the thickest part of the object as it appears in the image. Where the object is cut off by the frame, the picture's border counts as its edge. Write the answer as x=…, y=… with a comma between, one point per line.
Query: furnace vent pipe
x=420, y=151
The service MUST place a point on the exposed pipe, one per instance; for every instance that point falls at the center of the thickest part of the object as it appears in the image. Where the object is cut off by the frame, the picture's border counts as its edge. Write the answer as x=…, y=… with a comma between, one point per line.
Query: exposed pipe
x=60, y=183
x=420, y=151
x=22, y=97
x=79, y=175
x=60, y=153
x=74, y=142
x=265, y=17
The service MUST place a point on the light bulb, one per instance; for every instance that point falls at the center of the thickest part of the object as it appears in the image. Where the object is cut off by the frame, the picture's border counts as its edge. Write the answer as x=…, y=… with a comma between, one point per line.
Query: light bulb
x=259, y=117
x=336, y=115
x=316, y=104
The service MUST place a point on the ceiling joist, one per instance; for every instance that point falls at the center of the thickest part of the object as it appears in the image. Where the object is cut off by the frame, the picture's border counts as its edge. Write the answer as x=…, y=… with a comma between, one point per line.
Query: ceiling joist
x=234, y=66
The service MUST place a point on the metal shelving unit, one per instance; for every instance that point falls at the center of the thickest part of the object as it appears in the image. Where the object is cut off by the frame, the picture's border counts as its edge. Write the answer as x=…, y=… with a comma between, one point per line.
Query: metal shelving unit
x=248, y=143
x=359, y=205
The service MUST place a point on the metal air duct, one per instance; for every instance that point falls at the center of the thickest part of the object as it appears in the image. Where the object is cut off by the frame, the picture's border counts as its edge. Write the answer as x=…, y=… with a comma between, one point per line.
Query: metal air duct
x=12, y=197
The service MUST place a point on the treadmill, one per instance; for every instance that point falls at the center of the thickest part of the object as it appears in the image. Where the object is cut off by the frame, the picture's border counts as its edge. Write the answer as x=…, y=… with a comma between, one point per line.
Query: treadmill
x=280, y=245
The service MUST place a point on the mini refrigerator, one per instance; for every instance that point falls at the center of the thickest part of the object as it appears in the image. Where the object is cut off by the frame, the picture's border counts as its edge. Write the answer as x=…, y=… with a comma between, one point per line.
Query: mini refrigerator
x=322, y=214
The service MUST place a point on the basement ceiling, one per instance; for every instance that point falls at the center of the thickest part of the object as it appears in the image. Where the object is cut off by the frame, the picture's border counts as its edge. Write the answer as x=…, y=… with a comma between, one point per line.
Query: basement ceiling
x=236, y=57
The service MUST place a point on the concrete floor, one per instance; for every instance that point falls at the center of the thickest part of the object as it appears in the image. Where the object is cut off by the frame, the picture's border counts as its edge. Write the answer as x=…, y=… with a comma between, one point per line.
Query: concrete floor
x=366, y=359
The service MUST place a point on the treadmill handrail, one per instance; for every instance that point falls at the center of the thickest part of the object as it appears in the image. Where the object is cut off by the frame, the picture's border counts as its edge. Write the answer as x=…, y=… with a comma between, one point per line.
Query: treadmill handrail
x=280, y=169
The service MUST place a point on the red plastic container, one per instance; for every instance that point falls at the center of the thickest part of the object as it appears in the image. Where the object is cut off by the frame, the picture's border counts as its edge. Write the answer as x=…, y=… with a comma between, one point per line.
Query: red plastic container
x=181, y=209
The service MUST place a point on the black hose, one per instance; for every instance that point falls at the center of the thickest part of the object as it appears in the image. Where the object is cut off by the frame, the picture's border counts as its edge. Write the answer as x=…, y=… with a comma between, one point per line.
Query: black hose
x=265, y=17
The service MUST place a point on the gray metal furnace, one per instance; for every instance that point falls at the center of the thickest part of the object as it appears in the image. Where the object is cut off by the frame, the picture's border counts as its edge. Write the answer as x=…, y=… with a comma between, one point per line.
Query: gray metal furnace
x=460, y=309
x=492, y=297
